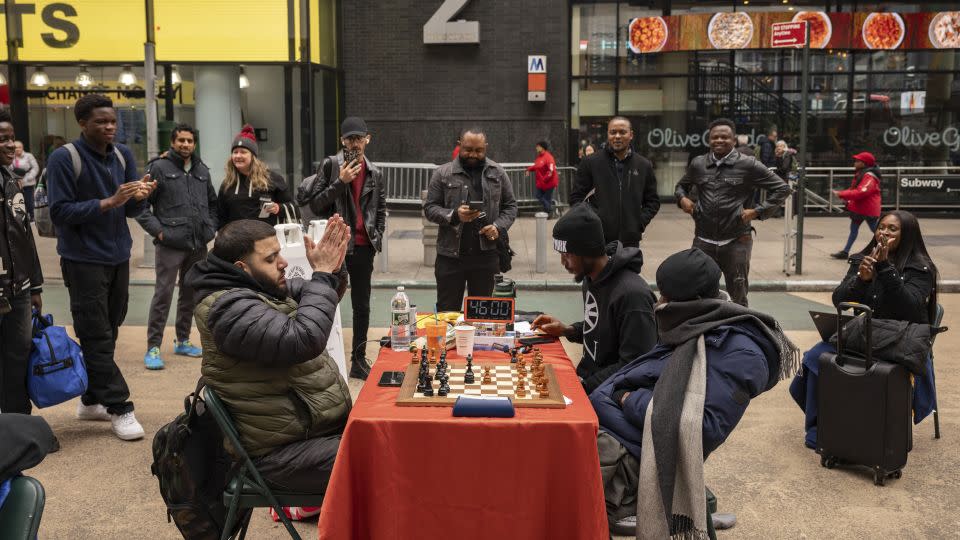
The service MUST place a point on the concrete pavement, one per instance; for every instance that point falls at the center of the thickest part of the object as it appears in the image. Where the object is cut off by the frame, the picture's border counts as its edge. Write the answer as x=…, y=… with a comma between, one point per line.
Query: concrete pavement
x=99, y=487
x=669, y=232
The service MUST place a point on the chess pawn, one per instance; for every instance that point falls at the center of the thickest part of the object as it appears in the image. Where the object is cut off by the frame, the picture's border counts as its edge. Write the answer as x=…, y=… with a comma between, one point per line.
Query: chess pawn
x=544, y=392
x=428, y=388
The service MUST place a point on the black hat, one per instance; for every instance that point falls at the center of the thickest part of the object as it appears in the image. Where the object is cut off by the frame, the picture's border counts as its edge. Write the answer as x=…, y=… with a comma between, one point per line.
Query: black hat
x=579, y=232
x=688, y=275
x=353, y=125
x=247, y=138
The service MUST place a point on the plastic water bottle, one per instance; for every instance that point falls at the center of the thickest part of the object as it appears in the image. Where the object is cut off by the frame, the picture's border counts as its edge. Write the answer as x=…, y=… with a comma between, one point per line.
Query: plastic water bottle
x=400, y=321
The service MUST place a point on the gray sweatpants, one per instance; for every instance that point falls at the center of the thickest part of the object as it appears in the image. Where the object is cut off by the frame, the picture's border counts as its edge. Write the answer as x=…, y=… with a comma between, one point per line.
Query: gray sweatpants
x=620, y=473
x=171, y=264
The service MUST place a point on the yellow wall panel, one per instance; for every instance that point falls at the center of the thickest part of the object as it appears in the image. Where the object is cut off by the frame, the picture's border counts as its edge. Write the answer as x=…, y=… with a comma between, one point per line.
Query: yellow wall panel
x=221, y=30
x=82, y=30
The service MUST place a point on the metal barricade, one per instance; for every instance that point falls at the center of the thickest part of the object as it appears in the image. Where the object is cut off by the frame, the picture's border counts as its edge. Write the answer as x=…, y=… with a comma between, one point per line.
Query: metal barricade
x=405, y=182
x=895, y=193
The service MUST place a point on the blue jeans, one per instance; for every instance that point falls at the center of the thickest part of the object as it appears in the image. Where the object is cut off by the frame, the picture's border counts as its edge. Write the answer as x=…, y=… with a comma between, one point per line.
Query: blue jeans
x=855, y=221
x=545, y=196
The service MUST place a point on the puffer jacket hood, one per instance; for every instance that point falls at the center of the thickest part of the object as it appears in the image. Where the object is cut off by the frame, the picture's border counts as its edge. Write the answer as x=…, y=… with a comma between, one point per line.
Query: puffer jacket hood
x=215, y=274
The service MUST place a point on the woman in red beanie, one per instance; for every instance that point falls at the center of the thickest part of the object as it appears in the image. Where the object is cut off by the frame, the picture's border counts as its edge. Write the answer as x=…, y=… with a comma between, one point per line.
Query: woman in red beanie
x=250, y=190
x=863, y=199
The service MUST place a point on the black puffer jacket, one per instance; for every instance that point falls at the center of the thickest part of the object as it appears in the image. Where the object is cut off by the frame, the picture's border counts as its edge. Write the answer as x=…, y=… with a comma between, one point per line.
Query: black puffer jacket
x=184, y=205
x=18, y=253
x=327, y=195
x=891, y=294
x=623, y=194
x=265, y=355
x=721, y=193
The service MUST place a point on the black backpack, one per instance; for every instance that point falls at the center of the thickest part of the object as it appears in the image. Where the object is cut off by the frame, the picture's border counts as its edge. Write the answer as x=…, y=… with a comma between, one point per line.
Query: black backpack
x=192, y=465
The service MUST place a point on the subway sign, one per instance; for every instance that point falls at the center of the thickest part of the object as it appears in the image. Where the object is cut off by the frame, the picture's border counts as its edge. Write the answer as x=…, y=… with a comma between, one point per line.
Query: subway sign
x=941, y=183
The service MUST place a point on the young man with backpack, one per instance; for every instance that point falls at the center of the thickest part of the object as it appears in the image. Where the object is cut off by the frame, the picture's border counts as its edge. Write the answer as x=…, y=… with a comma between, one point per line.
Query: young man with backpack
x=93, y=187
x=20, y=280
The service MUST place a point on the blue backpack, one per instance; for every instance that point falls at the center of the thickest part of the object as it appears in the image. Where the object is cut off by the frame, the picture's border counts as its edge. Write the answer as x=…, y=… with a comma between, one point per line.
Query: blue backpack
x=57, y=371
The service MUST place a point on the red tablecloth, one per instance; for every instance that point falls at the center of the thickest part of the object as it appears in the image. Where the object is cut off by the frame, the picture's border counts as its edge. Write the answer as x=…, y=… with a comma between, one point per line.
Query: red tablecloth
x=420, y=473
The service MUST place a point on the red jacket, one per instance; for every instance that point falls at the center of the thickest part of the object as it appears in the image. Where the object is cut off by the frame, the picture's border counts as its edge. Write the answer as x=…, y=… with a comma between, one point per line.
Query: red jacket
x=546, y=168
x=863, y=197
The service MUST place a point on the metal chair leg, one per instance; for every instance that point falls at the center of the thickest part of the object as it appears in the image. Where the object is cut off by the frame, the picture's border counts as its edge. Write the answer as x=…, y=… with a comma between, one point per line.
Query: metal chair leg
x=936, y=424
x=246, y=524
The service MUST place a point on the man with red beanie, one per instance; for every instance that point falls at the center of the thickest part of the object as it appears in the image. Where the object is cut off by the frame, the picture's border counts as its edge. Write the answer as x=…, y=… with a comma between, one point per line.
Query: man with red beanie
x=863, y=199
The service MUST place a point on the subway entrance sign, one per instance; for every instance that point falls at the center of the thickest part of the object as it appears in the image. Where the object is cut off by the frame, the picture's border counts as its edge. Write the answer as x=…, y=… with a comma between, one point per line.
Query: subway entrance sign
x=789, y=34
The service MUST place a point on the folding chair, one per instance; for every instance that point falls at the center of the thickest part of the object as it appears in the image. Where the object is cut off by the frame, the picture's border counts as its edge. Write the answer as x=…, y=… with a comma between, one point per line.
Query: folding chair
x=247, y=489
x=21, y=511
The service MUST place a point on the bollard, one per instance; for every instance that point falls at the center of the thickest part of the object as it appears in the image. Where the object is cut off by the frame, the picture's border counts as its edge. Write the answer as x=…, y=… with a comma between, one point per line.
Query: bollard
x=149, y=252
x=383, y=260
x=541, y=218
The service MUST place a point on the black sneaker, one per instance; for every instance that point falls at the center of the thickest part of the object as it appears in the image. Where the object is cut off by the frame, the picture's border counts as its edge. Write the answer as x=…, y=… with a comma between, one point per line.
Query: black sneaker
x=359, y=369
x=840, y=255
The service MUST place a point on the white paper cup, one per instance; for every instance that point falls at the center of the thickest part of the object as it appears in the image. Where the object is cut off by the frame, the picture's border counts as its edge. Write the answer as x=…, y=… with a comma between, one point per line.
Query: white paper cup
x=464, y=335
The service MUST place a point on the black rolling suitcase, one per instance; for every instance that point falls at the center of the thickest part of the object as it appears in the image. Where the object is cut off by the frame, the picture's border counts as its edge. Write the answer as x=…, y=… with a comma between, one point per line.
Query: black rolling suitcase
x=864, y=409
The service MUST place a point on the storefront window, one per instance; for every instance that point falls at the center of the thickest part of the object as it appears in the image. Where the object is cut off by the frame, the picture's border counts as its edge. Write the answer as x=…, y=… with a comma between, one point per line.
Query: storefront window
x=594, y=40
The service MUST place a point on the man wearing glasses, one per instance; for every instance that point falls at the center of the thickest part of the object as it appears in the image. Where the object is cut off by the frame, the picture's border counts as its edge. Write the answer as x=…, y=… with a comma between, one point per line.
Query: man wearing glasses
x=350, y=185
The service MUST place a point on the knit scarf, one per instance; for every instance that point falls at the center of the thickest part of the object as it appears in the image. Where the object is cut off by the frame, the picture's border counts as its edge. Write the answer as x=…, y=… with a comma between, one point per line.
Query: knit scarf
x=670, y=499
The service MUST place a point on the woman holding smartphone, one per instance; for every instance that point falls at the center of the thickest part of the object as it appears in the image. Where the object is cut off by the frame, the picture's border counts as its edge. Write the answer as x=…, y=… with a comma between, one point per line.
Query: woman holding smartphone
x=250, y=190
x=896, y=278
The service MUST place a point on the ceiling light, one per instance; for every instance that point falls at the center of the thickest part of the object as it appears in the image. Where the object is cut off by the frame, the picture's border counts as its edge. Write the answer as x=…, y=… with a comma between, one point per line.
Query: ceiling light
x=244, y=80
x=3, y=79
x=175, y=76
x=127, y=78
x=39, y=78
x=84, y=78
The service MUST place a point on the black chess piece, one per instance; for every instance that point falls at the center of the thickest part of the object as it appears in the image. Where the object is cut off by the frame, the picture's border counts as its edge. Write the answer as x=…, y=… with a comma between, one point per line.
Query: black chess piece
x=513, y=356
x=444, y=386
x=428, y=388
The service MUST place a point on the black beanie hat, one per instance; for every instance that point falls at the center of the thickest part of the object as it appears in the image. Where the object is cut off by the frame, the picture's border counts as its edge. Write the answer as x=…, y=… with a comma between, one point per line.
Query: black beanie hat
x=580, y=232
x=688, y=275
x=247, y=138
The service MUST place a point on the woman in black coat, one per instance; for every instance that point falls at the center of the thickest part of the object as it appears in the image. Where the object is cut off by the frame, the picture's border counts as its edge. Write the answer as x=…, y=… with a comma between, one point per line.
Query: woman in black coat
x=896, y=278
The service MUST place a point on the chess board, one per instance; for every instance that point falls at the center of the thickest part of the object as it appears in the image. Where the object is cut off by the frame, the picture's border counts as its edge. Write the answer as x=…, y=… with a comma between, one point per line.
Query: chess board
x=503, y=383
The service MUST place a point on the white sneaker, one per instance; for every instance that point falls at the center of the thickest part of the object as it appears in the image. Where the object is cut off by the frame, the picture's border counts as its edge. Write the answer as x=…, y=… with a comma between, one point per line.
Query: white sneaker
x=92, y=412
x=126, y=427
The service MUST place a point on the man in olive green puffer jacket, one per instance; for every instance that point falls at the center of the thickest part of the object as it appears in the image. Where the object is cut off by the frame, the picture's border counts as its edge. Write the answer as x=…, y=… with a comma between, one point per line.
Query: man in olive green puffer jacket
x=263, y=349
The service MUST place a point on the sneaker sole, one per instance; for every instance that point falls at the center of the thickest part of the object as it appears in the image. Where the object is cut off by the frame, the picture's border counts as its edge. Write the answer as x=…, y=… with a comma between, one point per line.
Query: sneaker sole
x=188, y=355
x=133, y=437
x=154, y=367
x=94, y=418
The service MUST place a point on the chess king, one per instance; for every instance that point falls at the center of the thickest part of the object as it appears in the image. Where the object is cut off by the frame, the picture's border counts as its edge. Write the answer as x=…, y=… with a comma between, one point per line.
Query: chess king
x=618, y=323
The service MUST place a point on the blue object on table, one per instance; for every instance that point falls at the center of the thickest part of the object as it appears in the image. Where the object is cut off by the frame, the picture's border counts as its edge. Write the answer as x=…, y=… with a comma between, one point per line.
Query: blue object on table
x=483, y=407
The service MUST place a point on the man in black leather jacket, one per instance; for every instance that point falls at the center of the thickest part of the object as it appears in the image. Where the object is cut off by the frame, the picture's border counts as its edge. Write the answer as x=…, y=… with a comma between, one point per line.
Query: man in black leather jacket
x=350, y=185
x=181, y=218
x=20, y=280
x=717, y=190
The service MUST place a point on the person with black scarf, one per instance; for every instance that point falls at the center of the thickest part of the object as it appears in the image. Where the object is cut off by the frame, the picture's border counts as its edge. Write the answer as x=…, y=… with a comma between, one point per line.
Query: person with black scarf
x=664, y=413
x=618, y=304
x=471, y=198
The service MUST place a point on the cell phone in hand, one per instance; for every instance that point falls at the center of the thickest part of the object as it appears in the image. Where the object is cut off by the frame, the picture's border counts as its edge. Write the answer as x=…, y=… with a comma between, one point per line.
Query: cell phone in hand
x=266, y=203
x=476, y=205
x=350, y=155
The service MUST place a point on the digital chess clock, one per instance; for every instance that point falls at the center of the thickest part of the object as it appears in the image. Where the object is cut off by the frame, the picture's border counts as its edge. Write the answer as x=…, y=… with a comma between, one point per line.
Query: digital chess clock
x=488, y=309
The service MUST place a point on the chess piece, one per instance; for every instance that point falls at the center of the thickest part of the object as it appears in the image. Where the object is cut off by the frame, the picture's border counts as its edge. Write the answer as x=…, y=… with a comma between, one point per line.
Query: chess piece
x=444, y=385
x=486, y=376
x=521, y=392
x=428, y=388
x=468, y=377
x=513, y=356
x=544, y=392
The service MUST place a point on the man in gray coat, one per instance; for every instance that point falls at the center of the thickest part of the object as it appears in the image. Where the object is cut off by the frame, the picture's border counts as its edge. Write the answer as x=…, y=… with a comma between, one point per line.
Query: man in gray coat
x=471, y=198
x=182, y=218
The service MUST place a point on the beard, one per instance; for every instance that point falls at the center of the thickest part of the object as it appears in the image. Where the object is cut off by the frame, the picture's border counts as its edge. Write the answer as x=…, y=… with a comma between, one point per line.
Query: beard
x=470, y=163
x=269, y=285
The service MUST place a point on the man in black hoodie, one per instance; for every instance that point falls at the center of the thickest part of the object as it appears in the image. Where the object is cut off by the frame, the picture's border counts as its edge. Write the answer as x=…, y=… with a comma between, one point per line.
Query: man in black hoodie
x=618, y=323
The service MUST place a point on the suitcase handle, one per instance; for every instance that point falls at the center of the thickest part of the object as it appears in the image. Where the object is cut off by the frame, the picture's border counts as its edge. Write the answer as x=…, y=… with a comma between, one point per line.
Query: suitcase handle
x=856, y=308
